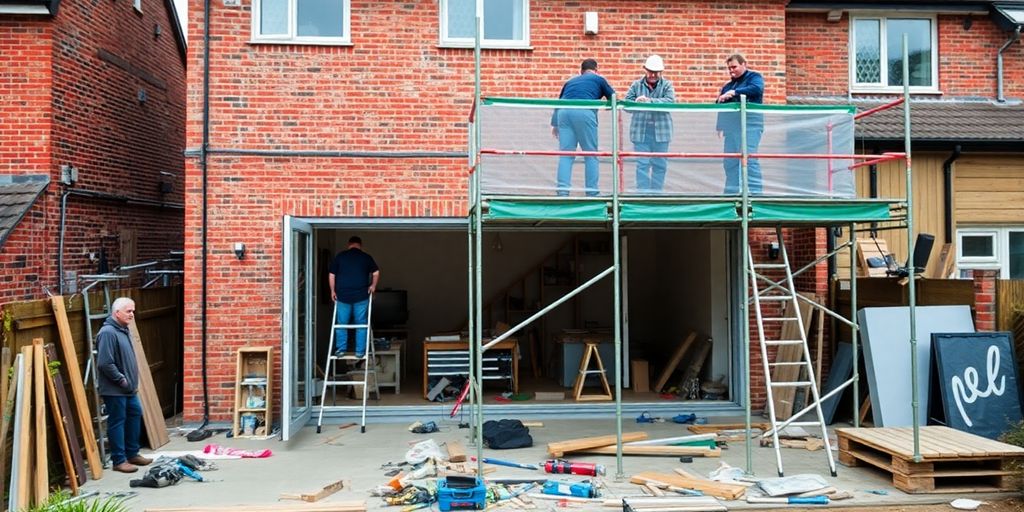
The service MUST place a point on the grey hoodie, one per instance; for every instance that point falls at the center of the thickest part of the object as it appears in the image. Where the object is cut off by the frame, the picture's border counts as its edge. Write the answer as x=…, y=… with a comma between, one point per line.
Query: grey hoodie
x=119, y=371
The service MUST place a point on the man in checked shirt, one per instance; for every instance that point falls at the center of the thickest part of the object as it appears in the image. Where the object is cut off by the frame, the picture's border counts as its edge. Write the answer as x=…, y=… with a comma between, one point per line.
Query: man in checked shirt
x=651, y=132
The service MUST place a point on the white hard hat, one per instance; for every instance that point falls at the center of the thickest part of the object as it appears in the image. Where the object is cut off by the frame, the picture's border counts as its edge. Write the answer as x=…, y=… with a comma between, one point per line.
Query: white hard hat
x=654, y=63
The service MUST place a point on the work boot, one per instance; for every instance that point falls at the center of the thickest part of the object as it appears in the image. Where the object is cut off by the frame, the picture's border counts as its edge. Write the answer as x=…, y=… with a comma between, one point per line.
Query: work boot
x=125, y=467
x=139, y=460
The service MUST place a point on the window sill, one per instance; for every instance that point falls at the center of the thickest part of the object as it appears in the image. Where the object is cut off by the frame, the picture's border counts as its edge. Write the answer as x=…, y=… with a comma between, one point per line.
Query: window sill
x=488, y=46
x=895, y=90
x=300, y=42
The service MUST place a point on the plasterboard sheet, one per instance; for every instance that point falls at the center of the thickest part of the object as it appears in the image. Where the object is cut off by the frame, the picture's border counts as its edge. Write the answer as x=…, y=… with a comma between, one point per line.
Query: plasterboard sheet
x=885, y=333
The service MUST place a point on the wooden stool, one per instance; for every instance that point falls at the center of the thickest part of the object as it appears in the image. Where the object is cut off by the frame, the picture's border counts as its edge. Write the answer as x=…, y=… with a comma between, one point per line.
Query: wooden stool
x=581, y=378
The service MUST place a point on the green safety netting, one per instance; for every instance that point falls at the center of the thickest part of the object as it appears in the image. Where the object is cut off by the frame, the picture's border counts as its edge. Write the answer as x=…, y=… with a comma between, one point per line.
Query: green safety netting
x=516, y=210
x=693, y=212
x=865, y=212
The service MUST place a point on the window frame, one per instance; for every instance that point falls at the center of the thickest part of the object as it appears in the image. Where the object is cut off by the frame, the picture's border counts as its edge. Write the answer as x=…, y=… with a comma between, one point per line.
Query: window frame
x=1000, y=260
x=881, y=86
x=292, y=37
x=469, y=42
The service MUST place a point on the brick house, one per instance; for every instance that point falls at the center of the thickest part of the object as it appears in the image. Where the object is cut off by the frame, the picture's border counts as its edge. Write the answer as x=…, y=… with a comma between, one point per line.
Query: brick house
x=353, y=120
x=92, y=122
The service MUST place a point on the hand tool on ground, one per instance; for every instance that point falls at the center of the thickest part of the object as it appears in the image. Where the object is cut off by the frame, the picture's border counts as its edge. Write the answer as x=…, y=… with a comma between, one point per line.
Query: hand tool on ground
x=507, y=463
x=810, y=500
x=568, y=467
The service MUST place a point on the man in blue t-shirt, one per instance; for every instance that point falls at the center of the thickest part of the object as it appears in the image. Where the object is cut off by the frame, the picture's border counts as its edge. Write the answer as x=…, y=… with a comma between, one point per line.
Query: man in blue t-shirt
x=353, y=278
x=578, y=126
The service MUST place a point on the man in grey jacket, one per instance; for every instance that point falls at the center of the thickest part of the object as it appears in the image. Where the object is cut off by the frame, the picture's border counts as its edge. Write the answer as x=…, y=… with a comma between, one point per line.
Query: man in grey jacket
x=119, y=384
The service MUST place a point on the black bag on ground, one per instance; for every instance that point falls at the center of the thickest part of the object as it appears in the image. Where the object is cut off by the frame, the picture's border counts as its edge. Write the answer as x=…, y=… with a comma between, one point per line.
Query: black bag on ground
x=505, y=434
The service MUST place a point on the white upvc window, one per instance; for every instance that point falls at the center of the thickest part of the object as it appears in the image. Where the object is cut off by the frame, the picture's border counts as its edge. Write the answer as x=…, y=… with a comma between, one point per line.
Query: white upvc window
x=506, y=23
x=323, y=22
x=997, y=248
x=876, y=53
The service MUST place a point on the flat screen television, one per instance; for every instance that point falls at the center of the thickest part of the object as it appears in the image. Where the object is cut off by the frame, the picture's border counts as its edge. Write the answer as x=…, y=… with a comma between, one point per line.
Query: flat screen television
x=390, y=308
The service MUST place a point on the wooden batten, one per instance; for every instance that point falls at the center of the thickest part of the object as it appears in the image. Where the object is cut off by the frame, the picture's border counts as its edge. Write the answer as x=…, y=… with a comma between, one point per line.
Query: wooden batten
x=60, y=422
x=67, y=345
x=42, y=474
x=21, y=481
x=560, y=448
x=152, y=413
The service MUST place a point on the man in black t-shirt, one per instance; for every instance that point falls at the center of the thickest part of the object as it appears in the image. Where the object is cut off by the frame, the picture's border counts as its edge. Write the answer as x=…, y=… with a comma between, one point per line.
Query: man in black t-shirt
x=353, y=278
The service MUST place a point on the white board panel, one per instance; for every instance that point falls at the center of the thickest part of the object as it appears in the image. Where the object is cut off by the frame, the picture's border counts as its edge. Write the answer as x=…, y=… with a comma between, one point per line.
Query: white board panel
x=885, y=333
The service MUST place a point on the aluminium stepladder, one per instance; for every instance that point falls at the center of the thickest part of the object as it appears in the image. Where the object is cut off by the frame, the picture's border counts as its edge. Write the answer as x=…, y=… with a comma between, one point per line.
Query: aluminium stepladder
x=331, y=376
x=784, y=292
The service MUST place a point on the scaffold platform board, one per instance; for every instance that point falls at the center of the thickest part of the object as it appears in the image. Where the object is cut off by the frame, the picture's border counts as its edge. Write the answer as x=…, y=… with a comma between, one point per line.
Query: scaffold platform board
x=951, y=461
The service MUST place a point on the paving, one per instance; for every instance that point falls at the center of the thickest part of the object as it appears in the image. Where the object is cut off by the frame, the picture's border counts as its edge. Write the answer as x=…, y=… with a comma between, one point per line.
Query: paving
x=308, y=462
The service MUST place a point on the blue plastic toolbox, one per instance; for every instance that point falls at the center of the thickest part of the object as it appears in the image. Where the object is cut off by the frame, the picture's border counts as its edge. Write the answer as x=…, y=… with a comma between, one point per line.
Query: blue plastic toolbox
x=468, y=498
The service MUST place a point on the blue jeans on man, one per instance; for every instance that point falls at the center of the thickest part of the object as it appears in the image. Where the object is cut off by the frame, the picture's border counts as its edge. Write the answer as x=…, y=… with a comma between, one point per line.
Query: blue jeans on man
x=650, y=171
x=577, y=127
x=351, y=314
x=124, y=424
x=733, y=143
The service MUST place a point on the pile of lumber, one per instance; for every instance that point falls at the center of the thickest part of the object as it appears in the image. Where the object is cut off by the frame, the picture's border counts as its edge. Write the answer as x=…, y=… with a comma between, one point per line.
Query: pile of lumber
x=685, y=480
x=606, y=445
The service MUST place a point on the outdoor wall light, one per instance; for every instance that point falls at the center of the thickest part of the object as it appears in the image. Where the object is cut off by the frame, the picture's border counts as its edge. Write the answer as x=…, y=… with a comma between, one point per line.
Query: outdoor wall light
x=773, y=250
x=239, y=250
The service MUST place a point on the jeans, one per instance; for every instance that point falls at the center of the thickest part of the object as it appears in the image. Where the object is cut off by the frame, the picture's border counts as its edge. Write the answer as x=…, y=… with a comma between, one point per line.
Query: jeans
x=577, y=127
x=650, y=171
x=124, y=423
x=354, y=313
x=732, y=165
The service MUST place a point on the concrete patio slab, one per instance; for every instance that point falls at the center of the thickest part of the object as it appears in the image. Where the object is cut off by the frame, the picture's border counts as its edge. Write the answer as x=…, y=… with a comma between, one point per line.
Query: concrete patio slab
x=307, y=463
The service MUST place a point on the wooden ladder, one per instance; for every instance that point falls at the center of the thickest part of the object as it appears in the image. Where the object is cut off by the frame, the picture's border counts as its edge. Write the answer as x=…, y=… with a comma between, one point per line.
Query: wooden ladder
x=581, y=378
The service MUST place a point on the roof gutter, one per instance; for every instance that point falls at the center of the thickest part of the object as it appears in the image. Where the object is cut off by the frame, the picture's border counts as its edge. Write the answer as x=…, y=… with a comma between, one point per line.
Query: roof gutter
x=999, y=64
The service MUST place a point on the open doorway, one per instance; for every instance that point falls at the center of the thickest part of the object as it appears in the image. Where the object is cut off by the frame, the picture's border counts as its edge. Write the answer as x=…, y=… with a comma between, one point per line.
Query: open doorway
x=676, y=282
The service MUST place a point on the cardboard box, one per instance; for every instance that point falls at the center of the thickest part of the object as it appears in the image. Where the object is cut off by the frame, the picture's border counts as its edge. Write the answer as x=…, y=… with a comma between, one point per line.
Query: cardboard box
x=639, y=370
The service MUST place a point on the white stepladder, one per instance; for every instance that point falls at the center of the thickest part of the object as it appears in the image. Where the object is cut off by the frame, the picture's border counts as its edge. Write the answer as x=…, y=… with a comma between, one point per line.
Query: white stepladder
x=782, y=292
x=331, y=376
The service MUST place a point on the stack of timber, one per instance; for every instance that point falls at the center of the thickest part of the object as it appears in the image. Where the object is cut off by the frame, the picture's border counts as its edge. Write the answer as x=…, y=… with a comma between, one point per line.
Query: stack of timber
x=32, y=386
x=951, y=460
x=606, y=445
x=685, y=480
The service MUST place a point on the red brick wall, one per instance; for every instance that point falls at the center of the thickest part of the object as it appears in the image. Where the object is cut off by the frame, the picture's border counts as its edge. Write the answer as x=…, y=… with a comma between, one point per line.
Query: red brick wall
x=25, y=117
x=818, y=61
x=394, y=93
x=985, y=299
x=77, y=88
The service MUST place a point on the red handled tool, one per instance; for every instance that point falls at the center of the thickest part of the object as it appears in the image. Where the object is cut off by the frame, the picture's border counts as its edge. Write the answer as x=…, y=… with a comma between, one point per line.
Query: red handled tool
x=568, y=467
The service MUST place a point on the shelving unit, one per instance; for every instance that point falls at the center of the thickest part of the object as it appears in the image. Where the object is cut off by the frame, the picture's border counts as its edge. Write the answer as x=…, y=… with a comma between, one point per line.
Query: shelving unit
x=253, y=390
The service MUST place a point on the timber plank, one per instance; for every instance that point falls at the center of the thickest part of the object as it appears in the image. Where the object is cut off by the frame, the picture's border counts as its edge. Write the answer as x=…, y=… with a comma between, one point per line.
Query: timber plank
x=16, y=390
x=7, y=407
x=64, y=425
x=341, y=506
x=22, y=457
x=677, y=356
x=560, y=448
x=67, y=345
x=152, y=413
x=456, y=451
x=712, y=428
x=668, y=451
x=709, y=487
x=324, y=492
x=42, y=472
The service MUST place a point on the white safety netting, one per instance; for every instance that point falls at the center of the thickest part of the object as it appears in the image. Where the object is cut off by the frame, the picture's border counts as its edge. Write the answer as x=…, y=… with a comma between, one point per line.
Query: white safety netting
x=801, y=137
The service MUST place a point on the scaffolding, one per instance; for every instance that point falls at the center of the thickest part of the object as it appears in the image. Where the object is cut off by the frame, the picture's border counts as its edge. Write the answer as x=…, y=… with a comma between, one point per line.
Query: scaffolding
x=806, y=158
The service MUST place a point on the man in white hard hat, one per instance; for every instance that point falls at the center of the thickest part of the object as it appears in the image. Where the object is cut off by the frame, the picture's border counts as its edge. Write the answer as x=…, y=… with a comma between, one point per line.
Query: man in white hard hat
x=650, y=131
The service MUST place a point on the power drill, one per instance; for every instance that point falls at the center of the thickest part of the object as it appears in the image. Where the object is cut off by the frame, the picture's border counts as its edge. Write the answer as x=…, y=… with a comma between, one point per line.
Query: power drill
x=566, y=467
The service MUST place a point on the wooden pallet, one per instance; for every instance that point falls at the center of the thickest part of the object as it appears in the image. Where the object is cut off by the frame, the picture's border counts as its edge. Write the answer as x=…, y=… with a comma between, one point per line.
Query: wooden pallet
x=951, y=460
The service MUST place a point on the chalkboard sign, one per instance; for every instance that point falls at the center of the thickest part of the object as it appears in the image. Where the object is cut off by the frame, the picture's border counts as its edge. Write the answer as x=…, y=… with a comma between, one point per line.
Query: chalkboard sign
x=977, y=377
